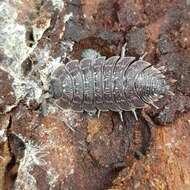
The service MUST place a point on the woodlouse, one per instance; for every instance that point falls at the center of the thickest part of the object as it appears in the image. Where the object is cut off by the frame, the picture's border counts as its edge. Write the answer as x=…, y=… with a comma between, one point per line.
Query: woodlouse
x=119, y=83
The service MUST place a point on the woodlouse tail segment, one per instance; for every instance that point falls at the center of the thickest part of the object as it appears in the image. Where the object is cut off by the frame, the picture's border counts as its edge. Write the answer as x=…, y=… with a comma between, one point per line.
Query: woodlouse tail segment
x=150, y=85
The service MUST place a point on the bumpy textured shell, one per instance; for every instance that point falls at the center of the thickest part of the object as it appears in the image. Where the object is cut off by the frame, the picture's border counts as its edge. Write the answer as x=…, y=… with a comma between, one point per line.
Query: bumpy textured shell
x=107, y=84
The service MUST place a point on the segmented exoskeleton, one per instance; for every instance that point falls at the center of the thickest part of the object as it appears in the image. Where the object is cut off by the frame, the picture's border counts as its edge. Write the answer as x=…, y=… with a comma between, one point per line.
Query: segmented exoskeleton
x=118, y=84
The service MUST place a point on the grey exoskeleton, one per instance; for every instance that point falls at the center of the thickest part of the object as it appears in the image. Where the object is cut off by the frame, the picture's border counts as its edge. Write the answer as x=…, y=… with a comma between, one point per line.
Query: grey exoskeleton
x=119, y=83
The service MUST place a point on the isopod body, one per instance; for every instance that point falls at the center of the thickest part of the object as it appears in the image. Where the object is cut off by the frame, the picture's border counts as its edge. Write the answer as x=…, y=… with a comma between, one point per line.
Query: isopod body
x=117, y=84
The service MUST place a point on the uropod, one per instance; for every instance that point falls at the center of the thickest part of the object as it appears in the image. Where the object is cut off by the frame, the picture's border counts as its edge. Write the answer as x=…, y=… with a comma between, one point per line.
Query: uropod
x=118, y=83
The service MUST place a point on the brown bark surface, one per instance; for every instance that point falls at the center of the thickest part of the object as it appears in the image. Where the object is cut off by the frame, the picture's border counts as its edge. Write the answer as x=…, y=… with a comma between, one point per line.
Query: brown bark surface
x=38, y=148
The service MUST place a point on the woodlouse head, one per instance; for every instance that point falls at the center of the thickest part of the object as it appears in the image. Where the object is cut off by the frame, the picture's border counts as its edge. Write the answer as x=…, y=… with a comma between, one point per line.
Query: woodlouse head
x=55, y=88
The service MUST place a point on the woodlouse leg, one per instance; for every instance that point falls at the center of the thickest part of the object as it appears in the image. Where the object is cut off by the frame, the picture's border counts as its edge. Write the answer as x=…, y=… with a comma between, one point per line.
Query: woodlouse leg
x=135, y=114
x=147, y=118
x=66, y=60
x=155, y=106
x=44, y=100
x=172, y=81
x=171, y=93
x=162, y=69
x=99, y=112
x=123, y=50
x=44, y=108
x=92, y=113
x=69, y=126
x=121, y=116
x=143, y=56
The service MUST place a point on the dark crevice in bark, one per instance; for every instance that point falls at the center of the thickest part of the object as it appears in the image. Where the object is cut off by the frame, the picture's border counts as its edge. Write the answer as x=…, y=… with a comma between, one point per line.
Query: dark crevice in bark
x=12, y=166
